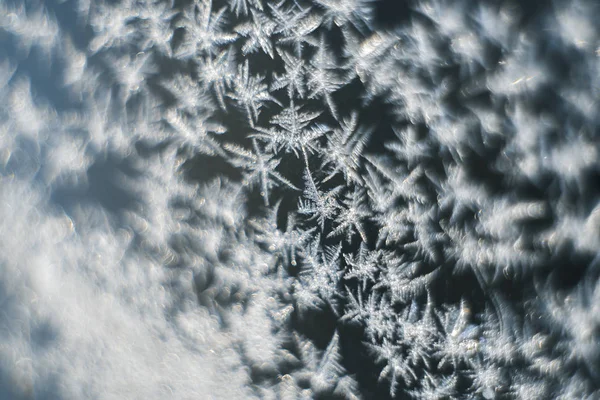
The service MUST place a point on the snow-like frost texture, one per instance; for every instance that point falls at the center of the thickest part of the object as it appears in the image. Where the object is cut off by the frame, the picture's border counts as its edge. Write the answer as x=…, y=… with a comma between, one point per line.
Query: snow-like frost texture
x=232, y=199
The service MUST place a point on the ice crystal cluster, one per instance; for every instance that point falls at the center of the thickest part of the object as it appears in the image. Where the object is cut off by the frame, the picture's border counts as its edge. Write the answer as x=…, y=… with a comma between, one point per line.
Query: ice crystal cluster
x=297, y=199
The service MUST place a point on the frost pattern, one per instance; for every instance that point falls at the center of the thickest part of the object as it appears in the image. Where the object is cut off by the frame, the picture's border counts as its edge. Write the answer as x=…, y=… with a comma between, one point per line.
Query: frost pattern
x=288, y=199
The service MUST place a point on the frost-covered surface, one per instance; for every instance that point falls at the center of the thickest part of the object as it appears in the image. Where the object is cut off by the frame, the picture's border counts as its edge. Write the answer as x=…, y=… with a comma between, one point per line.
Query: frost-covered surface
x=289, y=199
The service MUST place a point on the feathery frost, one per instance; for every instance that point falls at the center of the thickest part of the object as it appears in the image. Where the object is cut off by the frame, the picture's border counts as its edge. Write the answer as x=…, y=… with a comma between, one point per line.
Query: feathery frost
x=292, y=199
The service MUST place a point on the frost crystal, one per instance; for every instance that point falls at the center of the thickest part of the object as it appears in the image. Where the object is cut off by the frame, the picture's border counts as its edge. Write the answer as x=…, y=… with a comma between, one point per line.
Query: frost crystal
x=293, y=199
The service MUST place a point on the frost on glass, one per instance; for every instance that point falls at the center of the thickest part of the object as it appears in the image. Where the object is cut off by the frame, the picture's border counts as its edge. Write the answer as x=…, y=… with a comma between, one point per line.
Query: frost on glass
x=293, y=199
